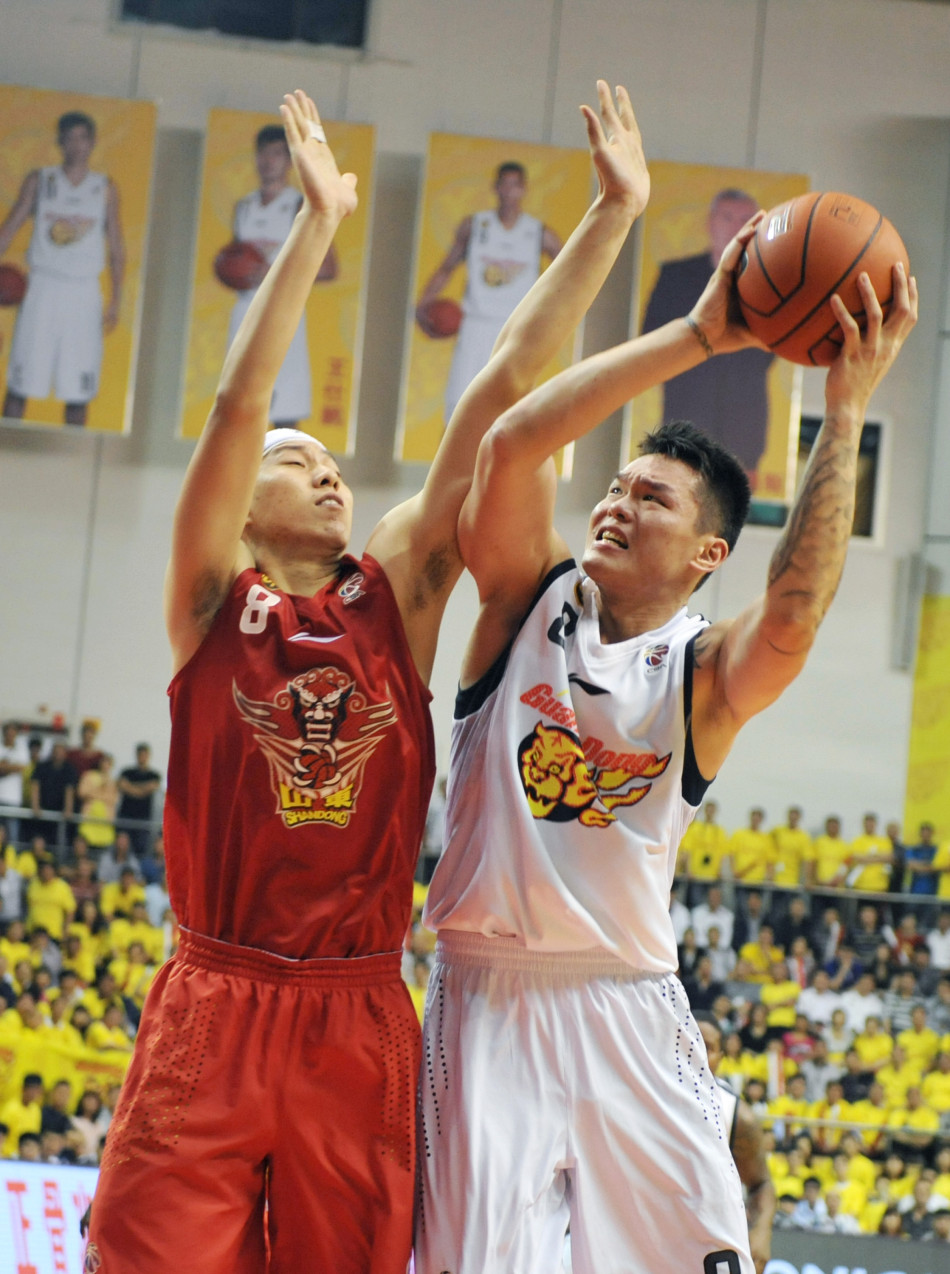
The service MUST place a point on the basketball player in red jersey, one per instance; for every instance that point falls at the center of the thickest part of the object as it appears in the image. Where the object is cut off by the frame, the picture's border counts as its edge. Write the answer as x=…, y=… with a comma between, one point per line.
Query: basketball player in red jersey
x=278, y=1052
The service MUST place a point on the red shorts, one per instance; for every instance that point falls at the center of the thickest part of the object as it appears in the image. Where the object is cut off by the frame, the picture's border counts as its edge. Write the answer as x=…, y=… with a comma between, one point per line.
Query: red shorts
x=258, y=1079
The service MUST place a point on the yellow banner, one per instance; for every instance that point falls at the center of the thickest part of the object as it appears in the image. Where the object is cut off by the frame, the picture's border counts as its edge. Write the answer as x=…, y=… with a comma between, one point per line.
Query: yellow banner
x=928, y=764
x=122, y=150
x=232, y=178
x=462, y=189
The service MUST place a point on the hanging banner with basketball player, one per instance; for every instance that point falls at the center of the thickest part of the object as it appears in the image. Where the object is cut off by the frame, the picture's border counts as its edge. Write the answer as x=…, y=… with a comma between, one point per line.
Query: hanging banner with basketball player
x=75, y=172
x=248, y=203
x=748, y=401
x=493, y=215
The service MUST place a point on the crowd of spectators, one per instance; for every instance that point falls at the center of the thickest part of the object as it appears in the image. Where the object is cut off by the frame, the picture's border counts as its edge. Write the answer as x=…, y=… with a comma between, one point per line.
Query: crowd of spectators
x=826, y=963
x=85, y=923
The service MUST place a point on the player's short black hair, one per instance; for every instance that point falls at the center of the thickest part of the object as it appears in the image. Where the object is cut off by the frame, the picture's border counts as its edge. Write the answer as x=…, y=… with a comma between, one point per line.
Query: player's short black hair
x=728, y=494
x=270, y=133
x=511, y=166
x=75, y=119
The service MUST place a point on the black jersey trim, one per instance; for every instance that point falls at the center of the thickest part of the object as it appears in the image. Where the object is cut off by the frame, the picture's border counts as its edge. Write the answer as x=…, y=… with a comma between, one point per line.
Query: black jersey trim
x=474, y=696
x=693, y=786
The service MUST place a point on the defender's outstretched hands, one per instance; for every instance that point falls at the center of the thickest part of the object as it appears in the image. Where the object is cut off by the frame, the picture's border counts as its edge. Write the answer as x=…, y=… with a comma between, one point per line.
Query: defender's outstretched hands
x=325, y=189
x=866, y=357
x=716, y=314
x=617, y=149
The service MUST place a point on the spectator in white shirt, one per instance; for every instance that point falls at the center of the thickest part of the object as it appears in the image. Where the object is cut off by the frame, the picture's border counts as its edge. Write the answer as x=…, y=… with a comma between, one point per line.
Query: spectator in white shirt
x=862, y=1002
x=938, y=940
x=818, y=1001
x=713, y=912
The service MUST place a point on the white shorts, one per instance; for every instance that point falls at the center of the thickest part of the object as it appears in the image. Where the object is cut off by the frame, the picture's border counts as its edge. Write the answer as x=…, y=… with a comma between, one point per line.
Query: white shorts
x=291, y=397
x=569, y=1089
x=57, y=340
x=473, y=347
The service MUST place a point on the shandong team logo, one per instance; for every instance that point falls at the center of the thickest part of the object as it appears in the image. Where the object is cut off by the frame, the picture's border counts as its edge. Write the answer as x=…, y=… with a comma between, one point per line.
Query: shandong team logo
x=317, y=734
x=561, y=784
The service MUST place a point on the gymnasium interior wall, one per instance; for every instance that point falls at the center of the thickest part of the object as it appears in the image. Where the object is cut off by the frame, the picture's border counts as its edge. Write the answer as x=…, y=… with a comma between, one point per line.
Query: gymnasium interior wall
x=854, y=93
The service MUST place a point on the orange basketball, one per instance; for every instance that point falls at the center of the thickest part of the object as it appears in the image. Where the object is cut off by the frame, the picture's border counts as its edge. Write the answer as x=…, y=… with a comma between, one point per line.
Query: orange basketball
x=803, y=252
x=444, y=316
x=12, y=284
x=240, y=265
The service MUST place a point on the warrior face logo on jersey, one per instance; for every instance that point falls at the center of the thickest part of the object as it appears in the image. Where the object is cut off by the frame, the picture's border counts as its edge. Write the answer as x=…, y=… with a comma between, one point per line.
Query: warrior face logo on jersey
x=560, y=786
x=317, y=735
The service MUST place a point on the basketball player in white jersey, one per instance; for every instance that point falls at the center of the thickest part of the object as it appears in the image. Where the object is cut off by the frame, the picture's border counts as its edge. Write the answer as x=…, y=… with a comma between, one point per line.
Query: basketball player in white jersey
x=57, y=340
x=502, y=249
x=264, y=218
x=564, y=1079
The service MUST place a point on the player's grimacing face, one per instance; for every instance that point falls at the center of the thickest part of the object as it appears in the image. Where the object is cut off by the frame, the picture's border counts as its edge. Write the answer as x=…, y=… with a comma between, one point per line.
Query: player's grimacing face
x=648, y=521
x=300, y=491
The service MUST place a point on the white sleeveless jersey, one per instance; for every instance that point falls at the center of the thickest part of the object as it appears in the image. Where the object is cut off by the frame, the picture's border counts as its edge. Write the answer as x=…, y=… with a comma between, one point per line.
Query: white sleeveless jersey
x=502, y=264
x=69, y=225
x=267, y=225
x=571, y=782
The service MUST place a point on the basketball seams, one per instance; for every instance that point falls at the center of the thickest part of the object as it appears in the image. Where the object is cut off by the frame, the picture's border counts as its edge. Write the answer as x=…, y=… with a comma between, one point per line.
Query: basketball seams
x=783, y=298
x=831, y=291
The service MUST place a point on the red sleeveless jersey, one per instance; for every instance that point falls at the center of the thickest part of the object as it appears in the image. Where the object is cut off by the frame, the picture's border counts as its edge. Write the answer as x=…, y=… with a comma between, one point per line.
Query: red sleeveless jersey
x=301, y=765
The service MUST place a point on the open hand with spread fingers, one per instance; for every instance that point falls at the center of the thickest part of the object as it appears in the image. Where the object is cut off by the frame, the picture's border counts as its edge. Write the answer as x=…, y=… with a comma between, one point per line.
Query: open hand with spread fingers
x=617, y=149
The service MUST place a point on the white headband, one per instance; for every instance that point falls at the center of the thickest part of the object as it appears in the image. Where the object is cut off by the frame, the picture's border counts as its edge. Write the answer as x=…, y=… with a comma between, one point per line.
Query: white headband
x=279, y=437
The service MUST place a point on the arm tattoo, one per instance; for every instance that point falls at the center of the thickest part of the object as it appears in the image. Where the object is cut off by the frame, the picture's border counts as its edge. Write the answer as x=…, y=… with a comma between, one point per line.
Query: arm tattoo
x=810, y=555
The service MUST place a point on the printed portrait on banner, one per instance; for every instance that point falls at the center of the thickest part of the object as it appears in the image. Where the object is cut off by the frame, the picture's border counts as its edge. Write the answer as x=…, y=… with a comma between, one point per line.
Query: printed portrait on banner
x=75, y=173
x=494, y=214
x=249, y=198
x=748, y=401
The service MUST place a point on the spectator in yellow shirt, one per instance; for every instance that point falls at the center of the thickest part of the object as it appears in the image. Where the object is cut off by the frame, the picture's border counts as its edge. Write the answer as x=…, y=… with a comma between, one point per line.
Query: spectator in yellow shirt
x=109, y=1034
x=117, y=898
x=831, y=854
x=780, y=995
x=22, y=1114
x=897, y=1076
x=702, y=851
x=750, y=851
x=873, y=1109
x=871, y=859
x=836, y=1110
x=761, y=954
x=50, y=901
x=920, y=1044
x=792, y=849
x=873, y=1045
x=792, y=1102
x=914, y=1126
x=935, y=1087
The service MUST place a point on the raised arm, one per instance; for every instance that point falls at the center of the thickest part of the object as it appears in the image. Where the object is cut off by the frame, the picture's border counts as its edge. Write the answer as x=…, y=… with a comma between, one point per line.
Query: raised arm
x=207, y=550
x=417, y=542
x=744, y=664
